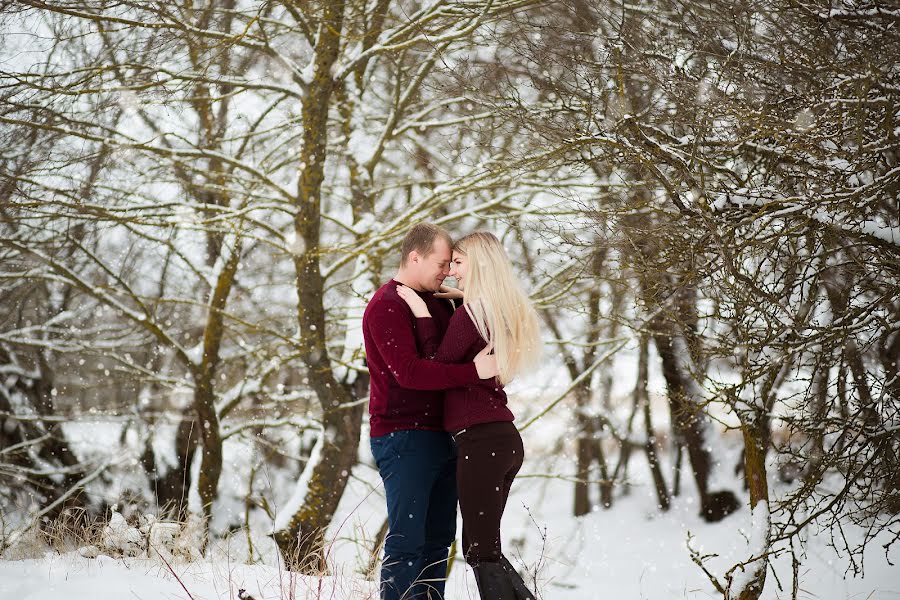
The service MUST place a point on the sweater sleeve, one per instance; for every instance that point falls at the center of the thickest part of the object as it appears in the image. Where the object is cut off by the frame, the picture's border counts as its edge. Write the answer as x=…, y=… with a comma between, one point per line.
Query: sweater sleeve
x=427, y=337
x=392, y=334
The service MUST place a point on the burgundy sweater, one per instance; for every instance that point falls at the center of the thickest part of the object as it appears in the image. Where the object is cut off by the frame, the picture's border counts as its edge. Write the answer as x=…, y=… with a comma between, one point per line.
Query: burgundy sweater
x=481, y=401
x=405, y=390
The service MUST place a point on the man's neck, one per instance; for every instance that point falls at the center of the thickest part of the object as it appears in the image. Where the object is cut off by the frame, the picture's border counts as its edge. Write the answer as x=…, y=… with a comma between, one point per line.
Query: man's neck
x=406, y=280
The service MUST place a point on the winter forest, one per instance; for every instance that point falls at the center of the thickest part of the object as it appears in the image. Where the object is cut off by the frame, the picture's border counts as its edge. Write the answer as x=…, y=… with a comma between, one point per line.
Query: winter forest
x=197, y=200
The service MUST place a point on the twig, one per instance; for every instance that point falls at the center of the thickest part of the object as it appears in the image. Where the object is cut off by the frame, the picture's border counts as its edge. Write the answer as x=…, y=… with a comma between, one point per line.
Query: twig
x=172, y=571
x=586, y=373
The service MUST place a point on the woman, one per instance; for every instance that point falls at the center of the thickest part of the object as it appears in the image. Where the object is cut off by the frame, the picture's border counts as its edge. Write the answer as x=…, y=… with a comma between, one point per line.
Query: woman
x=495, y=311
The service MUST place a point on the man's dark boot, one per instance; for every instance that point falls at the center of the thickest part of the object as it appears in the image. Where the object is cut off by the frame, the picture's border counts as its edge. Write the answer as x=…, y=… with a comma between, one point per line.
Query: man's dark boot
x=522, y=591
x=494, y=582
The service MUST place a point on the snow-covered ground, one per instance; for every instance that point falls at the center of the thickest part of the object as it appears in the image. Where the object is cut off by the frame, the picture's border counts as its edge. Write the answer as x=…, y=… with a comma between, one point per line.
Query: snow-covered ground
x=104, y=578
x=629, y=551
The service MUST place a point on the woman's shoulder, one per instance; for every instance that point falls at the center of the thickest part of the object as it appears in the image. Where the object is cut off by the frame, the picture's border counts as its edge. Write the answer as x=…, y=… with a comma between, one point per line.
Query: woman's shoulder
x=461, y=316
x=462, y=325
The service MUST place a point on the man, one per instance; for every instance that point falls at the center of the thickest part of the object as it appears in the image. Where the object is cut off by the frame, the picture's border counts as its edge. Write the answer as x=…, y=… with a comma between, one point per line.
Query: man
x=415, y=456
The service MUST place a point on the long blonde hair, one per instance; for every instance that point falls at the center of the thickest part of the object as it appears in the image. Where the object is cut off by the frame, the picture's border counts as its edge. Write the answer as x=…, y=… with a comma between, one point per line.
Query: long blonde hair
x=500, y=309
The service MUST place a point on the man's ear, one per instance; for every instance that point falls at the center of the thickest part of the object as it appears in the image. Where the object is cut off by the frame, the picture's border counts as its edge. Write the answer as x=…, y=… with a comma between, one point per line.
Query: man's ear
x=412, y=256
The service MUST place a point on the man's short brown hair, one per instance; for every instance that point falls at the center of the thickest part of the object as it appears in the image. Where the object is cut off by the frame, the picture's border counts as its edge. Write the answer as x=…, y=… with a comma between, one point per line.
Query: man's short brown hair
x=421, y=239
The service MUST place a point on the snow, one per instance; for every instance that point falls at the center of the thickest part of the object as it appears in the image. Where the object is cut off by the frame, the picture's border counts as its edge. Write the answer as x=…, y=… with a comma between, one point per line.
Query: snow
x=244, y=387
x=296, y=246
x=286, y=512
x=865, y=227
x=104, y=578
x=835, y=13
x=631, y=550
x=362, y=145
x=195, y=353
x=353, y=339
x=308, y=72
x=760, y=521
x=121, y=536
x=890, y=235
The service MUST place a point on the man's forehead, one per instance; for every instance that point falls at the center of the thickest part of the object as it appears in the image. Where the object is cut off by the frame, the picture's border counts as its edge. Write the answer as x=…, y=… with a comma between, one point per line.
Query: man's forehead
x=441, y=249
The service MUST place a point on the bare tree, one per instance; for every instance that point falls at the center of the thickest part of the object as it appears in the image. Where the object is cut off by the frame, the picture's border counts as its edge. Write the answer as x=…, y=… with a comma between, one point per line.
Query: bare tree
x=255, y=176
x=751, y=147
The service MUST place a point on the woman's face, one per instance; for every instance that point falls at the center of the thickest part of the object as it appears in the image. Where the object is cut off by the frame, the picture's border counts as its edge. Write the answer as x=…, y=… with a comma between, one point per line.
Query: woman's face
x=459, y=268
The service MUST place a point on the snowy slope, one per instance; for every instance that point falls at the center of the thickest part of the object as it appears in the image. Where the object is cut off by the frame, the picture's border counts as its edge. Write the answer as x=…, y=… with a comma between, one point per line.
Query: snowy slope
x=629, y=551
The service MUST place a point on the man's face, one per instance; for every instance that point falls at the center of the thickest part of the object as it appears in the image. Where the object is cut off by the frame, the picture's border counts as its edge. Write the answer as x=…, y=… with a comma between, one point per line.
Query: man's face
x=434, y=267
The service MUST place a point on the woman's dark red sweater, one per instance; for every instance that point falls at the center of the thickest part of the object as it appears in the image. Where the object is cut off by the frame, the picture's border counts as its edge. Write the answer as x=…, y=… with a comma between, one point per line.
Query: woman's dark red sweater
x=481, y=402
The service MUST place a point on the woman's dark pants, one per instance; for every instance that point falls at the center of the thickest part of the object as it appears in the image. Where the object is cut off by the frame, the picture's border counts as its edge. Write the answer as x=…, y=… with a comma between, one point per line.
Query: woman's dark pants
x=489, y=456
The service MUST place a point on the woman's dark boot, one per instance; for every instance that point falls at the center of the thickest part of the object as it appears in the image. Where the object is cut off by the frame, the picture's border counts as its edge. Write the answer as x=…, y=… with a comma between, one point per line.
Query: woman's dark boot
x=522, y=591
x=494, y=582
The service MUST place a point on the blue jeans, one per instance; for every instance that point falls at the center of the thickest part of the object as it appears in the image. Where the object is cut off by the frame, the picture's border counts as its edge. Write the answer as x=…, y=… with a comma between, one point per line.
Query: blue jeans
x=419, y=473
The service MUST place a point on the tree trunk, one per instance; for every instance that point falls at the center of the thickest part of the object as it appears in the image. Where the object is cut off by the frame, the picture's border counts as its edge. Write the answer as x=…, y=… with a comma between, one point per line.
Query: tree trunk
x=585, y=451
x=819, y=393
x=587, y=443
x=659, y=482
x=678, y=450
x=756, y=441
x=687, y=418
x=171, y=488
x=204, y=392
x=643, y=398
x=300, y=541
x=688, y=424
x=606, y=482
x=47, y=438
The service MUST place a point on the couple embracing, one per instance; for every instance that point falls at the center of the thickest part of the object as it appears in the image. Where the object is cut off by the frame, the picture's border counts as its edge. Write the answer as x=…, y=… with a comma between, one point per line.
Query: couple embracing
x=440, y=427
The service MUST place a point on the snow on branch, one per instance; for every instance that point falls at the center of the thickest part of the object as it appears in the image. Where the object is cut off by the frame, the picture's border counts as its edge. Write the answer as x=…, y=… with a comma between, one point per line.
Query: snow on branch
x=868, y=229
